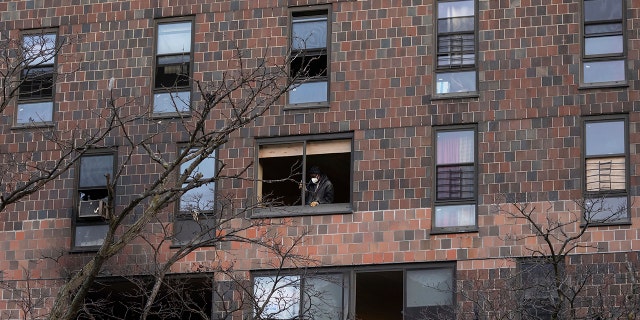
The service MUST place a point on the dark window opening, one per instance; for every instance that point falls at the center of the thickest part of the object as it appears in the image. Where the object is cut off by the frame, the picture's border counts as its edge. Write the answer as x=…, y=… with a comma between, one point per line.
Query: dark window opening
x=371, y=304
x=179, y=298
x=37, y=83
x=172, y=71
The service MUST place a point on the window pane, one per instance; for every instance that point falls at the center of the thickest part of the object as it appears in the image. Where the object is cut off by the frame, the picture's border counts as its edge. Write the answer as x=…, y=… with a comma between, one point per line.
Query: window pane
x=35, y=112
x=171, y=102
x=604, y=71
x=456, y=43
x=174, y=38
x=598, y=10
x=603, y=45
x=455, y=9
x=207, y=167
x=431, y=287
x=278, y=297
x=464, y=24
x=606, y=174
x=90, y=235
x=309, y=32
x=308, y=92
x=93, y=170
x=37, y=83
x=613, y=209
x=455, y=182
x=39, y=49
x=603, y=28
x=455, y=216
x=187, y=229
x=457, y=60
x=172, y=71
x=455, y=147
x=456, y=82
x=323, y=297
x=606, y=137
x=199, y=199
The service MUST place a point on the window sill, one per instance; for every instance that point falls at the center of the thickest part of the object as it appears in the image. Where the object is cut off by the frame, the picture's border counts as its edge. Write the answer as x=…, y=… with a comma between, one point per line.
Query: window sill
x=33, y=125
x=306, y=106
x=80, y=250
x=606, y=224
x=455, y=95
x=603, y=85
x=450, y=230
x=171, y=115
x=292, y=211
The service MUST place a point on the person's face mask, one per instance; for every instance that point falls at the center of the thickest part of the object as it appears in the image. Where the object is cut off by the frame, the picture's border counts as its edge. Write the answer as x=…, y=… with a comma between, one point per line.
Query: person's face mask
x=314, y=180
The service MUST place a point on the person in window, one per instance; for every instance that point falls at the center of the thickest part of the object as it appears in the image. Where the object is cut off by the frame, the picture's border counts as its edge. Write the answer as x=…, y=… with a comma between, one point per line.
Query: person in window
x=319, y=189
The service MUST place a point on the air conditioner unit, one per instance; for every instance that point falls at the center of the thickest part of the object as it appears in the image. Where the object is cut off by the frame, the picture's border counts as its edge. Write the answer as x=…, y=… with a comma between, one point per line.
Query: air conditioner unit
x=92, y=208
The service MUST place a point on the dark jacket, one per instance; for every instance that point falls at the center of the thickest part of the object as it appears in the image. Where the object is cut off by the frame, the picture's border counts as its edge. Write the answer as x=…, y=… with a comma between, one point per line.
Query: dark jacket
x=321, y=191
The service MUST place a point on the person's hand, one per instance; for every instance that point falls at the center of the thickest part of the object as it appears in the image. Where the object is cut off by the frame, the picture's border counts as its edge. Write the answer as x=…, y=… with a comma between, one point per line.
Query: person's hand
x=314, y=203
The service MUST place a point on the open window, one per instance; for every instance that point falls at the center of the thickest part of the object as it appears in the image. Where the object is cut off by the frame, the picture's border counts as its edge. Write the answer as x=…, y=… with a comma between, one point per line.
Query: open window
x=284, y=186
x=606, y=173
x=37, y=79
x=93, y=199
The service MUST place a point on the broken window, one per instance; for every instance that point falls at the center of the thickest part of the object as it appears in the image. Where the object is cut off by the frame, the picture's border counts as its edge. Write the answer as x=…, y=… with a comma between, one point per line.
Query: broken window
x=93, y=199
x=284, y=179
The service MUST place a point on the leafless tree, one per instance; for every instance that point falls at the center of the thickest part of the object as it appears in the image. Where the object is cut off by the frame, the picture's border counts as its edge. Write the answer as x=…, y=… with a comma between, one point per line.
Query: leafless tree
x=544, y=283
x=242, y=95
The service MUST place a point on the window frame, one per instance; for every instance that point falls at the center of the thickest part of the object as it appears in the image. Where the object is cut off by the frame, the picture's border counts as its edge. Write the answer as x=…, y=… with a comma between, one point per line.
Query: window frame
x=606, y=194
x=607, y=57
x=468, y=201
x=349, y=280
x=96, y=220
x=302, y=209
x=174, y=92
x=295, y=12
x=453, y=70
x=53, y=66
x=182, y=219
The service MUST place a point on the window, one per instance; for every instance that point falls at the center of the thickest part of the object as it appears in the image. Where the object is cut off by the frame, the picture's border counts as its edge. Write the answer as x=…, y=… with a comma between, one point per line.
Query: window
x=172, y=85
x=606, y=162
x=37, y=79
x=538, y=289
x=92, y=197
x=455, y=189
x=292, y=297
x=456, y=47
x=197, y=204
x=603, y=46
x=283, y=171
x=310, y=57
x=410, y=293
x=188, y=296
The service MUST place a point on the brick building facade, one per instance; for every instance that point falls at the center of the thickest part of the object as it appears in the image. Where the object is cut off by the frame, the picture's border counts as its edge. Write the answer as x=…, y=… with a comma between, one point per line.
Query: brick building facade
x=437, y=116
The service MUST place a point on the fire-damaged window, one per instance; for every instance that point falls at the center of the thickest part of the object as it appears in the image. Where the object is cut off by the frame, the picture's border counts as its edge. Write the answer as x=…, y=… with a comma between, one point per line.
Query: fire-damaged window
x=37, y=79
x=606, y=174
x=455, y=185
x=419, y=292
x=188, y=296
x=91, y=225
x=296, y=174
